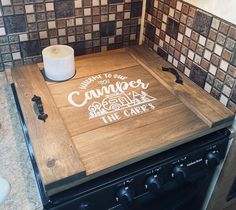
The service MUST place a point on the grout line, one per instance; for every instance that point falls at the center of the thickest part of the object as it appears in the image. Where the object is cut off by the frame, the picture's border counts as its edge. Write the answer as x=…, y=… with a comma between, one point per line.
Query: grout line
x=142, y=22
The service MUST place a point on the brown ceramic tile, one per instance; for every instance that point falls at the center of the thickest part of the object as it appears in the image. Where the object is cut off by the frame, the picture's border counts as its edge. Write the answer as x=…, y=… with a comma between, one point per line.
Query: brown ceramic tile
x=177, y=15
x=189, y=22
x=212, y=35
x=226, y=55
x=160, y=5
x=79, y=12
x=96, y=19
x=112, y=9
x=220, y=75
x=193, y=45
x=183, y=18
x=173, y=3
x=232, y=32
x=185, y=9
x=162, y=35
x=178, y=46
x=181, y=28
x=232, y=71
x=224, y=27
x=189, y=63
x=192, y=11
x=177, y=55
x=87, y=3
x=194, y=36
x=19, y=9
x=166, y=10
x=205, y=64
x=210, y=45
x=215, y=60
x=96, y=11
x=186, y=41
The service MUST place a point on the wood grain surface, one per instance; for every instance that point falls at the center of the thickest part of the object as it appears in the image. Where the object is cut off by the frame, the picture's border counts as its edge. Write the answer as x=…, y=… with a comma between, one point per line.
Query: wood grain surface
x=154, y=114
x=136, y=138
x=77, y=119
x=56, y=156
x=201, y=103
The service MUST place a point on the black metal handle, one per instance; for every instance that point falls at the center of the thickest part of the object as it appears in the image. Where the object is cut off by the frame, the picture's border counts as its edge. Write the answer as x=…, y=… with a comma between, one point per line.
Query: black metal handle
x=39, y=108
x=179, y=79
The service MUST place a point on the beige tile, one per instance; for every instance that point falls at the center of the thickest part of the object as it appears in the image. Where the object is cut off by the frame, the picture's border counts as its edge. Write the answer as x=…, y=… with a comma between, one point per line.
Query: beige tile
x=29, y=8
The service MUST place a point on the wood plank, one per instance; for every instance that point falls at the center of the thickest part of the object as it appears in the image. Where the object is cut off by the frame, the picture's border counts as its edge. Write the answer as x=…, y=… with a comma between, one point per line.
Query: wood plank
x=78, y=119
x=198, y=100
x=137, y=138
x=57, y=158
x=101, y=63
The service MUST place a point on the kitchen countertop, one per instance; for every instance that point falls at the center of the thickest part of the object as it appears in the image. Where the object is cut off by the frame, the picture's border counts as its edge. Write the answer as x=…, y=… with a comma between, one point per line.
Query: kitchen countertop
x=15, y=165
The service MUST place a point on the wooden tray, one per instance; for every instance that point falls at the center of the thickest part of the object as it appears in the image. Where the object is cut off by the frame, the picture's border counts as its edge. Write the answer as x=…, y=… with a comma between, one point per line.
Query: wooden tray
x=119, y=108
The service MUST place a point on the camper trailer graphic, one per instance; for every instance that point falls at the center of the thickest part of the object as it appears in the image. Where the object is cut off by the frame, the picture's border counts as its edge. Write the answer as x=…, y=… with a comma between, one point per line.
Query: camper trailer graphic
x=117, y=102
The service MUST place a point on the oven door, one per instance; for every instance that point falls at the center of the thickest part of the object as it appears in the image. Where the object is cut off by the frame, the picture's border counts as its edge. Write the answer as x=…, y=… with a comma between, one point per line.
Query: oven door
x=188, y=196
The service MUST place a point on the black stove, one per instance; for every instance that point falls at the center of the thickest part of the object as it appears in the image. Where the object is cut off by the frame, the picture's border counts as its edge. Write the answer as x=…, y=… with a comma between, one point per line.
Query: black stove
x=176, y=179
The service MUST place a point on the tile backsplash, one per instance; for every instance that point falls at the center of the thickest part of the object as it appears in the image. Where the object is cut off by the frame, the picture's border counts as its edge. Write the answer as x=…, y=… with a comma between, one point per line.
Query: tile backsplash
x=197, y=43
x=28, y=26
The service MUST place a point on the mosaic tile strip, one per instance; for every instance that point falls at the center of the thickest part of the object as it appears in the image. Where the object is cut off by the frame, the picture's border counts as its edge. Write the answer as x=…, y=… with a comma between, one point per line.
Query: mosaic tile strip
x=89, y=26
x=197, y=43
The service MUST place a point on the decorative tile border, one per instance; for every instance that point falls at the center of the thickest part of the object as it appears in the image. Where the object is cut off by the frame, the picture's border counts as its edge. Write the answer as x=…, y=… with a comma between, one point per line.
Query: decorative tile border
x=28, y=26
x=195, y=42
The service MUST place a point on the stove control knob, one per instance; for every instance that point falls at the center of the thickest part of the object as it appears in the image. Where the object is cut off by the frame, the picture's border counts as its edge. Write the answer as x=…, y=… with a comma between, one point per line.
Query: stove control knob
x=212, y=159
x=180, y=173
x=125, y=196
x=153, y=184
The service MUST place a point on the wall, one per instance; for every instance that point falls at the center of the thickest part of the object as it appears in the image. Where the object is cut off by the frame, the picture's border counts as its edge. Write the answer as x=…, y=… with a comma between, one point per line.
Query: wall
x=28, y=26
x=222, y=9
x=197, y=43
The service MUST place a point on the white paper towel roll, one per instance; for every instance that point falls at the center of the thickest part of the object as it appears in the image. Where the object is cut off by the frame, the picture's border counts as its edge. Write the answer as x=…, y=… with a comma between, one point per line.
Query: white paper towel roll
x=59, y=62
